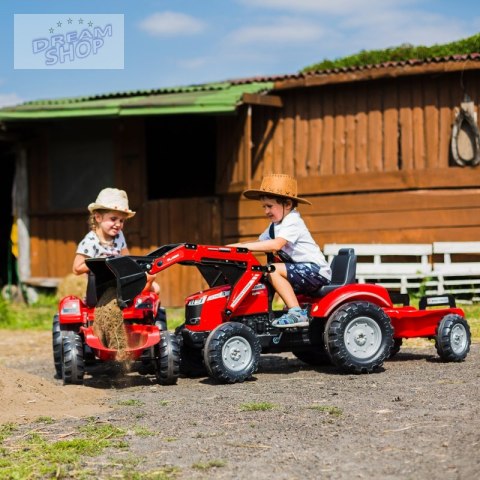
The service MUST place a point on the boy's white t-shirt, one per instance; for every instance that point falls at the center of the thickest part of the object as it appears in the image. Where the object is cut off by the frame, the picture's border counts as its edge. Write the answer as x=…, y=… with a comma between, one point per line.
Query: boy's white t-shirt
x=300, y=246
x=91, y=247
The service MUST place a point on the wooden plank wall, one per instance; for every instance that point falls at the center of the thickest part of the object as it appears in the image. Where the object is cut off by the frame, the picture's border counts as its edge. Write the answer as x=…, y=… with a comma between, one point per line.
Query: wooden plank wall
x=374, y=159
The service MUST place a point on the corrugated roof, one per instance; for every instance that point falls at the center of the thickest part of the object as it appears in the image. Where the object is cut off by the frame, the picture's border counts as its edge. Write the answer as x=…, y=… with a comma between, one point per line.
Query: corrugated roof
x=221, y=97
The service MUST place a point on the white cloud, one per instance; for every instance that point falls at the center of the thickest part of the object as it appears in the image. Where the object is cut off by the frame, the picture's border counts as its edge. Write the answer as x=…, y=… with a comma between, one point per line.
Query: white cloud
x=335, y=7
x=169, y=24
x=282, y=31
x=193, y=63
x=9, y=99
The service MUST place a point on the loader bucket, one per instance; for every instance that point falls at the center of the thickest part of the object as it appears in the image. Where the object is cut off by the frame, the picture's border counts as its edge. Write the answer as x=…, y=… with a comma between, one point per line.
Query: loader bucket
x=123, y=273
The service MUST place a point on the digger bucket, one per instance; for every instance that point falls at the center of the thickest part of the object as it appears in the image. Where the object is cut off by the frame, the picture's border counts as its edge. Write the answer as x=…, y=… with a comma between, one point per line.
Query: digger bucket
x=124, y=273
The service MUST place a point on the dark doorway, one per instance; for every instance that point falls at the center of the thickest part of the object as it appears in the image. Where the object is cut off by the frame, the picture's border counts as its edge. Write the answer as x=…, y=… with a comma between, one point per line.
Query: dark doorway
x=181, y=156
x=7, y=164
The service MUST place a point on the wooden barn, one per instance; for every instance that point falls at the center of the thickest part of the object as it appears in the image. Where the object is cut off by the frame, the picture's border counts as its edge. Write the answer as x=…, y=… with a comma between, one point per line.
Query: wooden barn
x=386, y=154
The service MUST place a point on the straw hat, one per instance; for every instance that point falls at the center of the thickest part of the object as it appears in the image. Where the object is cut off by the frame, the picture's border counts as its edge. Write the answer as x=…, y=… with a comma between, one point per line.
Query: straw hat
x=112, y=199
x=276, y=185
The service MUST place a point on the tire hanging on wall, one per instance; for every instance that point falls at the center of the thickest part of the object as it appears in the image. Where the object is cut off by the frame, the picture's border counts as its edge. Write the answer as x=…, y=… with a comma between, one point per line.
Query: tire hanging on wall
x=465, y=144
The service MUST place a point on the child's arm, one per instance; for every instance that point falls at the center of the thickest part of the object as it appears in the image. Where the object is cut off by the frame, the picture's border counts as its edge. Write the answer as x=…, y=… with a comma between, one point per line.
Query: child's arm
x=266, y=246
x=79, y=265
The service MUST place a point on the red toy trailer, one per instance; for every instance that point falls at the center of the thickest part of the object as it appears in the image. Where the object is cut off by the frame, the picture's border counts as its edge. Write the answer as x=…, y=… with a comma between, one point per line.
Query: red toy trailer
x=227, y=326
x=75, y=343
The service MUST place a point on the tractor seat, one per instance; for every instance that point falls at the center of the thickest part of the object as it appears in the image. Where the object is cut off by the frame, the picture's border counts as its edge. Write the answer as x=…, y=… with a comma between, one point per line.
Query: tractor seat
x=344, y=270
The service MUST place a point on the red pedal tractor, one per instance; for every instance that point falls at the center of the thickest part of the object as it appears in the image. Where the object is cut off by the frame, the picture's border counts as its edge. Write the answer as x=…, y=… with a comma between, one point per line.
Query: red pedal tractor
x=229, y=325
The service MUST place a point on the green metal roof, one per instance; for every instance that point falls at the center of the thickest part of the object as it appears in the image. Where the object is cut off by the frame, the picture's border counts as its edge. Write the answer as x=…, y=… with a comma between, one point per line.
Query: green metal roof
x=207, y=98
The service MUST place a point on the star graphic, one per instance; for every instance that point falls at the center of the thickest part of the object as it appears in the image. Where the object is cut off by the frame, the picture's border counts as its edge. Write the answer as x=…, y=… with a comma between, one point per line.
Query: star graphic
x=69, y=21
x=51, y=30
x=80, y=21
x=90, y=24
x=59, y=24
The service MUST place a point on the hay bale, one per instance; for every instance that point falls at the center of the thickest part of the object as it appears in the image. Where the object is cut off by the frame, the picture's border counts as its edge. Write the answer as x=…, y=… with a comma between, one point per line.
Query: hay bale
x=72, y=285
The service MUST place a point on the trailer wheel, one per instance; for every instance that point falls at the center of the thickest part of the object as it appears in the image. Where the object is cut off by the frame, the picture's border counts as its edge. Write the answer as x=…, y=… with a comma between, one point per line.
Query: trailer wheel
x=359, y=337
x=167, y=359
x=453, y=338
x=57, y=346
x=232, y=352
x=72, y=362
x=397, y=345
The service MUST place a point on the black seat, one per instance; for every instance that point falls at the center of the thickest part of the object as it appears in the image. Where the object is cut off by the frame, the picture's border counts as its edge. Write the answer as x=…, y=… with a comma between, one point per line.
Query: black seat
x=344, y=270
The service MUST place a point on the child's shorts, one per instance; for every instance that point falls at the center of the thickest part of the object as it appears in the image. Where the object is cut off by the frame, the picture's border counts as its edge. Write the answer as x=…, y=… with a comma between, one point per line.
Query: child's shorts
x=305, y=277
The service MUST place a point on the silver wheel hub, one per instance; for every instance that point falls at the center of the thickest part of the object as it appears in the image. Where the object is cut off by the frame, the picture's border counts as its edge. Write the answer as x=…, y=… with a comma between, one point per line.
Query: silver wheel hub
x=237, y=353
x=458, y=338
x=362, y=337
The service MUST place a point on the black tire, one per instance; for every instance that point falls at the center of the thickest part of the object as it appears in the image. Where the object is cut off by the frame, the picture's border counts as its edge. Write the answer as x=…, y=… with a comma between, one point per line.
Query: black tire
x=397, y=345
x=161, y=319
x=73, y=365
x=453, y=338
x=167, y=359
x=232, y=352
x=359, y=337
x=57, y=346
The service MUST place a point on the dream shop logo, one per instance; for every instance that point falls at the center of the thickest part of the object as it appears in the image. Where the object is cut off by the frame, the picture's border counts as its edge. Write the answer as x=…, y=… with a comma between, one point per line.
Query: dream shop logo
x=72, y=45
x=68, y=41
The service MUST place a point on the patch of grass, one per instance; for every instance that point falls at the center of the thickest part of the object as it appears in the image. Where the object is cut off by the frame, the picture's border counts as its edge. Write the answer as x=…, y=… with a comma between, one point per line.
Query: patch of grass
x=46, y=420
x=208, y=465
x=335, y=411
x=257, y=406
x=143, y=432
x=36, y=458
x=170, y=439
x=6, y=430
x=132, y=402
x=163, y=403
x=19, y=316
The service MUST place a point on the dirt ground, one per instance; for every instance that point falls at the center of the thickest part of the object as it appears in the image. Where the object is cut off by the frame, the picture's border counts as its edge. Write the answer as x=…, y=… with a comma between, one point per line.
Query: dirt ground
x=417, y=418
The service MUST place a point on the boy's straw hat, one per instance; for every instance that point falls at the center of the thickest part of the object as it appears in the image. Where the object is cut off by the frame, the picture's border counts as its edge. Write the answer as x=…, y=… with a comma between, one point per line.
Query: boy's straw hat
x=276, y=185
x=112, y=199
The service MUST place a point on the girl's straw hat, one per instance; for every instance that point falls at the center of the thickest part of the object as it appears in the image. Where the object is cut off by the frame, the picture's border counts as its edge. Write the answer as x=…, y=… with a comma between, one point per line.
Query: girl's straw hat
x=112, y=199
x=276, y=185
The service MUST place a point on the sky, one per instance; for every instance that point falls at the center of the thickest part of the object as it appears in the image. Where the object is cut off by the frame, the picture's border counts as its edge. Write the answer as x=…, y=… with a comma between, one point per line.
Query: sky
x=170, y=43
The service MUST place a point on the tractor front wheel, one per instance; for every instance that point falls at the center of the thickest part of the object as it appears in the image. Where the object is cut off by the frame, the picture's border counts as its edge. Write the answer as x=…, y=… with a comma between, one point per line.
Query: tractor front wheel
x=232, y=352
x=359, y=337
x=73, y=364
x=167, y=359
x=453, y=338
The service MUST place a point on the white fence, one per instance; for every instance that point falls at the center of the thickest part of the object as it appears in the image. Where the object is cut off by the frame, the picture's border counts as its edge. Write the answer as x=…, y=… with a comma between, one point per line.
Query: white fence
x=439, y=267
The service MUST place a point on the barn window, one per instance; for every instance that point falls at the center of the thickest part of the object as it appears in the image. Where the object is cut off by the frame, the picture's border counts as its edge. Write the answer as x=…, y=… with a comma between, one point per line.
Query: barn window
x=81, y=163
x=181, y=156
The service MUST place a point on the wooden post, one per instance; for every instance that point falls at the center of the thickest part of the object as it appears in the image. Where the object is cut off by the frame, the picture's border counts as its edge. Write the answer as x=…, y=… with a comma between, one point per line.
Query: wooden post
x=20, y=213
x=248, y=147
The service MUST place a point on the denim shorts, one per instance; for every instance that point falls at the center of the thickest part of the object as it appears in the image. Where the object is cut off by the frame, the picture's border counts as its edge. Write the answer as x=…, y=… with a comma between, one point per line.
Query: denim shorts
x=305, y=278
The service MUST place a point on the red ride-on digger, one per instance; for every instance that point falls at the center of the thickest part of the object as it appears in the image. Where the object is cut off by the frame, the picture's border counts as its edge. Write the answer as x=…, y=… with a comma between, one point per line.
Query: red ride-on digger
x=227, y=326
x=149, y=344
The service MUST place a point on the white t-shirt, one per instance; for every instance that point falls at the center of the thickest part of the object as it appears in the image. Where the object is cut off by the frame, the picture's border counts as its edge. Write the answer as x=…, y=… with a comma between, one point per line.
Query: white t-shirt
x=300, y=246
x=91, y=247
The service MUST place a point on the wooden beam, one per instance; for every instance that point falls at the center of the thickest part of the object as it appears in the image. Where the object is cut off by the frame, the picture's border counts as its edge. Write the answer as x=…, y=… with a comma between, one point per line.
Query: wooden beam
x=263, y=100
x=325, y=78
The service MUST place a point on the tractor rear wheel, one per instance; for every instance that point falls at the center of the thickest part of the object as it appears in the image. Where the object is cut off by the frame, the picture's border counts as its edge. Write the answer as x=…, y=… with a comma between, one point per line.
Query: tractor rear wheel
x=397, y=345
x=453, y=338
x=167, y=359
x=359, y=337
x=57, y=346
x=232, y=352
x=73, y=365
